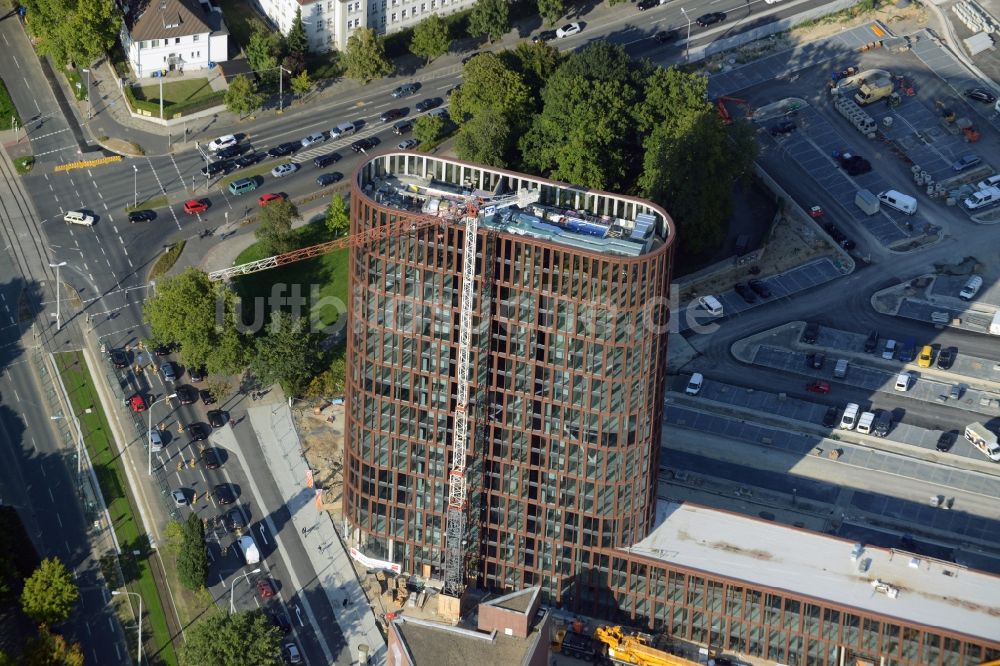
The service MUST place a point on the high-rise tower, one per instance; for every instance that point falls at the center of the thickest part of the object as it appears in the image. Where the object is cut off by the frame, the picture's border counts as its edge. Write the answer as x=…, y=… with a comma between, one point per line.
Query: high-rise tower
x=567, y=360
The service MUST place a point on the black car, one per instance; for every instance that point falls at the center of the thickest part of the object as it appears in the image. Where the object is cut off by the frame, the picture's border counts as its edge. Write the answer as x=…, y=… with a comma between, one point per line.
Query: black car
x=235, y=522
x=946, y=441
x=186, y=394
x=283, y=149
x=810, y=333
x=469, y=57
x=281, y=621
x=196, y=374
x=871, y=342
x=782, y=128
x=855, y=165
x=198, y=432
x=711, y=18
x=248, y=160
x=324, y=161
x=224, y=494
x=119, y=358
x=745, y=293
x=402, y=127
x=429, y=103
x=666, y=36
x=141, y=216
x=229, y=152
x=946, y=357
x=643, y=5
x=364, y=144
x=981, y=95
x=760, y=288
x=391, y=114
x=325, y=179
x=164, y=350
x=815, y=361
x=217, y=418
x=405, y=90
x=206, y=397
x=848, y=244
x=544, y=36
x=214, y=168
x=210, y=458
x=830, y=417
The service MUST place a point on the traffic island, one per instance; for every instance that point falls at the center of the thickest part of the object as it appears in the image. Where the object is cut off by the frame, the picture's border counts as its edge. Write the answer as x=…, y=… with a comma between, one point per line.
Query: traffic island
x=136, y=568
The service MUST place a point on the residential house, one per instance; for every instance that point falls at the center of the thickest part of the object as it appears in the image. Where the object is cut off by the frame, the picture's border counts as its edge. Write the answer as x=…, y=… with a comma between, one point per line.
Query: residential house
x=169, y=35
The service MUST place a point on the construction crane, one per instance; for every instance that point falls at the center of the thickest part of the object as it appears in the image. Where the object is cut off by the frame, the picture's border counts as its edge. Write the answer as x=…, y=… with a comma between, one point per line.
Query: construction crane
x=724, y=112
x=635, y=649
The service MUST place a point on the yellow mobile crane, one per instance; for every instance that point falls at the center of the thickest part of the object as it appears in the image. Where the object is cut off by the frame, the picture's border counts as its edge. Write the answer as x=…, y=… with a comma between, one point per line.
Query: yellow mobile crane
x=635, y=649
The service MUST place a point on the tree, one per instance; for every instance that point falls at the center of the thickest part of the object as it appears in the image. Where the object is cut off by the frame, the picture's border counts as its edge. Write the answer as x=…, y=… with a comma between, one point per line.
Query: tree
x=430, y=38
x=229, y=356
x=427, y=129
x=274, y=234
x=233, y=640
x=302, y=84
x=74, y=32
x=263, y=52
x=535, y=62
x=51, y=649
x=219, y=389
x=338, y=221
x=192, y=561
x=485, y=139
x=551, y=10
x=489, y=83
x=332, y=381
x=189, y=310
x=365, y=59
x=287, y=354
x=242, y=97
x=489, y=18
x=50, y=593
x=296, y=41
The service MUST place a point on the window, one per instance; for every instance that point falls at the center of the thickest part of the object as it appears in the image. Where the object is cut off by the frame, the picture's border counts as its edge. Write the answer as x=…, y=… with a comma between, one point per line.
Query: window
x=404, y=13
x=155, y=43
x=177, y=40
x=195, y=38
x=393, y=17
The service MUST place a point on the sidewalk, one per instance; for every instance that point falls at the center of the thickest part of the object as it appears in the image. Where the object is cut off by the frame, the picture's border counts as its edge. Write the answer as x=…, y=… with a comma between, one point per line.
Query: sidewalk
x=328, y=555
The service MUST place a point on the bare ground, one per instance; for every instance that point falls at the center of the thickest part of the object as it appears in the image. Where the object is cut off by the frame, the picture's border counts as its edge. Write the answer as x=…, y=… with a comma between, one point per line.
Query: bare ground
x=322, y=433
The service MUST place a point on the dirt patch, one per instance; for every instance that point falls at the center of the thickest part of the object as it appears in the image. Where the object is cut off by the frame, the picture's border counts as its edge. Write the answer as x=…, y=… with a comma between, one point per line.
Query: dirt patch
x=122, y=147
x=322, y=432
x=901, y=21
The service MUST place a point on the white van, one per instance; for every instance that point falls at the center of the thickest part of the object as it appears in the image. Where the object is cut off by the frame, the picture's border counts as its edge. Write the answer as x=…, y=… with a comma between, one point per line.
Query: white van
x=983, y=439
x=984, y=197
x=865, y=422
x=79, y=217
x=850, y=417
x=342, y=130
x=992, y=181
x=971, y=288
x=904, y=203
x=903, y=382
x=694, y=386
x=712, y=305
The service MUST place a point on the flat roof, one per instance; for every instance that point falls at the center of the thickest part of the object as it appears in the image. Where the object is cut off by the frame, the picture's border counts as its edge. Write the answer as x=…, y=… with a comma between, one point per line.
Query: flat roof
x=927, y=591
x=436, y=644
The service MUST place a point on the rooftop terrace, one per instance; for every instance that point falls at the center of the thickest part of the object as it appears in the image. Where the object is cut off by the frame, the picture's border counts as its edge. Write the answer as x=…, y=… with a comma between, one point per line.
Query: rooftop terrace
x=910, y=587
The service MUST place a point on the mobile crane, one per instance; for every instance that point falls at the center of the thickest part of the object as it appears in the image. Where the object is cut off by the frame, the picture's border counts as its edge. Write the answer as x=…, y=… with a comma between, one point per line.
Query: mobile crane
x=635, y=649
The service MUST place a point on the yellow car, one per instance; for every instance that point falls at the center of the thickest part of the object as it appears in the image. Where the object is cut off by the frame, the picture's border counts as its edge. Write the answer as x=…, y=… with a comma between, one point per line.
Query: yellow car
x=926, y=356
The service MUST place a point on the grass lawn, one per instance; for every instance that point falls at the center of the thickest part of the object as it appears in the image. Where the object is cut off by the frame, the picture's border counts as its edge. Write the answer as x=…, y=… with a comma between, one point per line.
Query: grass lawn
x=177, y=91
x=108, y=468
x=154, y=202
x=328, y=273
x=23, y=165
x=78, y=82
x=7, y=109
x=166, y=260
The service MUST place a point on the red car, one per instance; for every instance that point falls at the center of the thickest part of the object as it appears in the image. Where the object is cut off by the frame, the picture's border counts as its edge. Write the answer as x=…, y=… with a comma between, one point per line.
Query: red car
x=818, y=387
x=816, y=211
x=265, y=199
x=193, y=206
x=264, y=589
x=136, y=402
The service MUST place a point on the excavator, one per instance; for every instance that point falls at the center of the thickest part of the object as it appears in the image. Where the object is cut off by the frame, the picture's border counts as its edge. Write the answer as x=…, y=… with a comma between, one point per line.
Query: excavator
x=636, y=649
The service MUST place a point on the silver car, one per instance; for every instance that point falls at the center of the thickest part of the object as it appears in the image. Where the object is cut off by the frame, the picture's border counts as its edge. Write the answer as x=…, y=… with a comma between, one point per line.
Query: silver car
x=284, y=170
x=180, y=497
x=318, y=137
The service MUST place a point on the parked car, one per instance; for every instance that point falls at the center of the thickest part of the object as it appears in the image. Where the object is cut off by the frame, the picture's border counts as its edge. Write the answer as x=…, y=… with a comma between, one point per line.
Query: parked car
x=871, y=342
x=981, y=95
x=965, y=162
x=292, y=655
x=543, y=36
x=168, y=372
x=285, y=169
x=223, y=494
x=265, y=199
x=206, y=397
x=710, y=18
x=391, y=114
x=265, y=589
x=194, y=206
x=903, y=381
x=946, y=440
x=810, y=333
x=314, y=138
x=854, y=165
x=405, y=90
x=926, y=356
x=248, y=160
x=136, y=402
x=402, y=127
x=281, y=621
x=324, y=161
x=782, y=128
x=428, y=104
x=217, y=418
x=141, y=216
x=196, y=374
x=816, y=361
x=890, y=350
x=818, y=387
x=568, y=30
x=695, y=383
x=325, y=179
x=745, y=292
x=407, y=144
x=222, y=142
x=284, y=149
x=210, y=458
x=186, y=394
x=946, y=357
x=198, y=432
x=830, y=417
x=666, y=36
x=760, y=288
x=119, y=358
x=956, y=391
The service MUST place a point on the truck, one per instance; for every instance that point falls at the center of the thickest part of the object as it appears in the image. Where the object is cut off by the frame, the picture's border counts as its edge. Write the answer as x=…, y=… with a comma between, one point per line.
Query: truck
x=840, y=370
x=983, y=439
x=577, y=645
x=866, y=201
x=636, y=649
x=877, y=85
x=248, y=549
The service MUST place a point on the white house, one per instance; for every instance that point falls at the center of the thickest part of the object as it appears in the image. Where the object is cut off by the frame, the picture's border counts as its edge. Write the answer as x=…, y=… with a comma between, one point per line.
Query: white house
x=329, y=23
x=168, y=35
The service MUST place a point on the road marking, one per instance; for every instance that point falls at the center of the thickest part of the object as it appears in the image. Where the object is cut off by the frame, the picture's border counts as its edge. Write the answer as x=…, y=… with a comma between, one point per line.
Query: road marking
x=16, y=396
x=260, y=528
x=59, y=520
x=120, y=240
x=42, y=469
x=52, y=496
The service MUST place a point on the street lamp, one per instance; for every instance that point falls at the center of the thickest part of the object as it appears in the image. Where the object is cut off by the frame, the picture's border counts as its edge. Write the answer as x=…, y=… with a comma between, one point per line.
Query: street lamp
x=138, y=650
x=281, y=96
x=687, y=42
x=232, y=587
x=149, y=433
x=90, y=103
x=58, y=294
x=135, y=186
